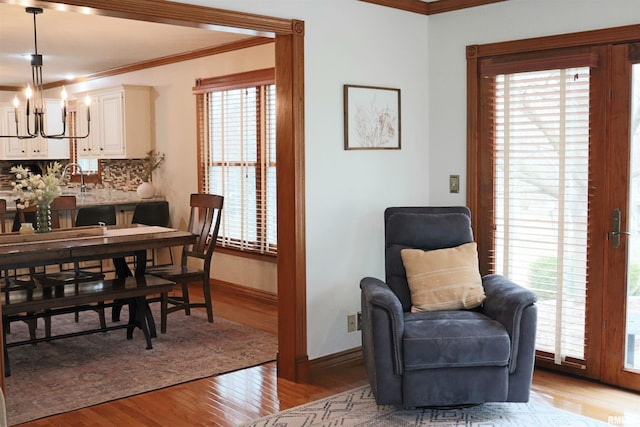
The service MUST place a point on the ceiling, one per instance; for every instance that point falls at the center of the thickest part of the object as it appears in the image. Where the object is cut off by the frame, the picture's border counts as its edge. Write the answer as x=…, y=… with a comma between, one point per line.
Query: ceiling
x=75, y=44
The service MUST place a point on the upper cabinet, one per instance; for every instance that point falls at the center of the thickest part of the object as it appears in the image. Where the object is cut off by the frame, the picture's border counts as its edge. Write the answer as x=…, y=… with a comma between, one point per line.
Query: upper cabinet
x=120, y=123
x=32, y=148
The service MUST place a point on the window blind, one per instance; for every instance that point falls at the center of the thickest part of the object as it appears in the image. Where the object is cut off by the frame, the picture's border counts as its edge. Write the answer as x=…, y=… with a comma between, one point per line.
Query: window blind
x=237, y=156
x=541, y=174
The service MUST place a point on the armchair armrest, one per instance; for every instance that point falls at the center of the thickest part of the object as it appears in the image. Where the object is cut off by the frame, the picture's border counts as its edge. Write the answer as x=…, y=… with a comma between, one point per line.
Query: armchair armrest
x=506, y=302
x=383, y=321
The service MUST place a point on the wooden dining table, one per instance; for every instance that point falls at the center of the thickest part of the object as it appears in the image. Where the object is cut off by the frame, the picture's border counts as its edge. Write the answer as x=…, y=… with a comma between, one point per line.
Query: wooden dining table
x=83, y=244
x=62, y=246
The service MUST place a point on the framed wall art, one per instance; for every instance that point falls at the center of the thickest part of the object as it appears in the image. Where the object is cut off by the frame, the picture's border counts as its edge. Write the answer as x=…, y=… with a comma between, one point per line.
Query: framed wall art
x=371, y=118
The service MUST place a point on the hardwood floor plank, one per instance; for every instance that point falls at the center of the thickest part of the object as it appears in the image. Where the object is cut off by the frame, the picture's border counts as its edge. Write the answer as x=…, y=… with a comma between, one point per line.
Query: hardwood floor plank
x=239, y=397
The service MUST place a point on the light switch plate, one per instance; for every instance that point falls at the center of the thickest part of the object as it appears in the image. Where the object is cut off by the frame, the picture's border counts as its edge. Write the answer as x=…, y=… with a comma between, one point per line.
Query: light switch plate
x=454, y=183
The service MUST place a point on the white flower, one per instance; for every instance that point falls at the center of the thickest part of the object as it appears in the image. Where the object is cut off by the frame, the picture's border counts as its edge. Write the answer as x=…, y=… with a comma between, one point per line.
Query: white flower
x=35, y=188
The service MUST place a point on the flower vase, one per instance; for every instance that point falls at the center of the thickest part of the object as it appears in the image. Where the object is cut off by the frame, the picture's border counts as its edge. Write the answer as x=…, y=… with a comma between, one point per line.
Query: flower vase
x=146, y=190
x=43, y=218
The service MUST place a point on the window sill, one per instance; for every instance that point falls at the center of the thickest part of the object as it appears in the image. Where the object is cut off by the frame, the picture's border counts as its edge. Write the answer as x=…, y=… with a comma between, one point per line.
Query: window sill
x=244, y=254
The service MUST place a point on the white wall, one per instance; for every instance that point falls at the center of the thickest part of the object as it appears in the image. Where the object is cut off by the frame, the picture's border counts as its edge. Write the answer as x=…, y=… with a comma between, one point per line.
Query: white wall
x=448, y=35
x=351, y=42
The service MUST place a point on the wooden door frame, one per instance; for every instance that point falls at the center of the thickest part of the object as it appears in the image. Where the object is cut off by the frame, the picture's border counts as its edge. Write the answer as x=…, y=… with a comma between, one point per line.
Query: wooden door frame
x=289, y=60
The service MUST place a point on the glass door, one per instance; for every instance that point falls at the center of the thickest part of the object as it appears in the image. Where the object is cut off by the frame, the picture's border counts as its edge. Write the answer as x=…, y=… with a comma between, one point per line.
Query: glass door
x=621, y=322
x=632, y=321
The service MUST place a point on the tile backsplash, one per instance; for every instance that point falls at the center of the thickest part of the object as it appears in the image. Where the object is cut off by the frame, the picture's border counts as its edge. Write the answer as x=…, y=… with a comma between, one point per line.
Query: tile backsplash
x=125, y=174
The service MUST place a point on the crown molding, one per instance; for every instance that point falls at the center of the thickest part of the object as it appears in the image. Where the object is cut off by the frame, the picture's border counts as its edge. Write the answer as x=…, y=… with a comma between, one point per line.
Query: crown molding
x=431, y=8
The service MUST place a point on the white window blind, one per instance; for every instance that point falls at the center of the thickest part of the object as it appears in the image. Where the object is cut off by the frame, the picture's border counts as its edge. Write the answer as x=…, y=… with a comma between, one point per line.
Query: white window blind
x=239, y=148
x=541, y=201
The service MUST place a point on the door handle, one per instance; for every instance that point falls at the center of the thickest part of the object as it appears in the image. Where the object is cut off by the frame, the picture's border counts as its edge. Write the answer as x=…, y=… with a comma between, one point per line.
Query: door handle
x=615, y=229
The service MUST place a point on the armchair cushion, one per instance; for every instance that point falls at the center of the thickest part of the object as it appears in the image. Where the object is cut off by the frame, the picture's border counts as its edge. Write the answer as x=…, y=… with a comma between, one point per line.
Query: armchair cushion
x=454, y=339
x=444, y=279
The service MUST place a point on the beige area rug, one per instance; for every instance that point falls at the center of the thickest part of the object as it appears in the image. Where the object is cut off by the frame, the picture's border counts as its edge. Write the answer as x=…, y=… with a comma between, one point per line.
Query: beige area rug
x=357, y=407
x=71, y=373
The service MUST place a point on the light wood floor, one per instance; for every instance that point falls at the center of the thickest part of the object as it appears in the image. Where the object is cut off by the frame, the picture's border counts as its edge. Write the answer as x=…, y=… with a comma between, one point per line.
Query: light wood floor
x=239, y=397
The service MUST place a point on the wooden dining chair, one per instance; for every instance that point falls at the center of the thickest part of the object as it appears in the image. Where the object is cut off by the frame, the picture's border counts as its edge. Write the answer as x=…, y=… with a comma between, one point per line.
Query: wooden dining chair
x=11, y=280
x=16, y=279
x=3, y=228
x=62, y=205
x=67, y=205
x=23, y=215
x=204, y=221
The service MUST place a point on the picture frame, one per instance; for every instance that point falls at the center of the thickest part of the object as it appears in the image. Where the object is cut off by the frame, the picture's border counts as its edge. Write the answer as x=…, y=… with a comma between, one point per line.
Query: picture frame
x=371, y=118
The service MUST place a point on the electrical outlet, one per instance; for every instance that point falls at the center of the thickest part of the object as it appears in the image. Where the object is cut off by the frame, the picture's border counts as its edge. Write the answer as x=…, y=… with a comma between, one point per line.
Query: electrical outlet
x=352, y=321
x=454, y=183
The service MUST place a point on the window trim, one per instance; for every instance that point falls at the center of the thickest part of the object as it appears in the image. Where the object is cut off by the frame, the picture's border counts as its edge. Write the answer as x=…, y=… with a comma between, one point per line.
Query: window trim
x=262, y=77
x=256, y=78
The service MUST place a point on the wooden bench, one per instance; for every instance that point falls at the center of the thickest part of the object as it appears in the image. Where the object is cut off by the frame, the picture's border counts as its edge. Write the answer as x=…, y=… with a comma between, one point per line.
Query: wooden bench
x=41, y=302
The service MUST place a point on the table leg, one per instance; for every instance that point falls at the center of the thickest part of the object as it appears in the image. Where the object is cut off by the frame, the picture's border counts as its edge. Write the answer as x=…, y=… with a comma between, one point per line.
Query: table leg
x=122, y=268
x=137, y=317
x=141, y=263
x=122, y=271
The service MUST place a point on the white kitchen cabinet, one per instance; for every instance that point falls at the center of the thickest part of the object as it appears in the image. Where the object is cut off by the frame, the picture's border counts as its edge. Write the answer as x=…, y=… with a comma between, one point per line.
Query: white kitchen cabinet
x=124, y=214
x=55, y=148
x=32, y=148
x=120, y=123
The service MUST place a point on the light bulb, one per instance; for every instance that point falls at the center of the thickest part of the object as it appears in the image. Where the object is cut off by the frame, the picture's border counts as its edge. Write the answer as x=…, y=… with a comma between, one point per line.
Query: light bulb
x=16, y=102
x=64, y=94
x=28, y=92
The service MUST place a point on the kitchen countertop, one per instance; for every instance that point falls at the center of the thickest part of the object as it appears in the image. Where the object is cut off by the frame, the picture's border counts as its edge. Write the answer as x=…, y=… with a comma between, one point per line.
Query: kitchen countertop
x=92, y=197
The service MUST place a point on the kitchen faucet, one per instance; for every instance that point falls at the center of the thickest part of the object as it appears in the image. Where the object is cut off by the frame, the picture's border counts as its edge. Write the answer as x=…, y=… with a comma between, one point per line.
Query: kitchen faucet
x=83, y=187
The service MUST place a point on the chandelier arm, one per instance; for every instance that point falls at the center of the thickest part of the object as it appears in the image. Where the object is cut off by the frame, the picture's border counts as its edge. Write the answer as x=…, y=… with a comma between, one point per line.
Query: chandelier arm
x=18, y=136
x=29, y=133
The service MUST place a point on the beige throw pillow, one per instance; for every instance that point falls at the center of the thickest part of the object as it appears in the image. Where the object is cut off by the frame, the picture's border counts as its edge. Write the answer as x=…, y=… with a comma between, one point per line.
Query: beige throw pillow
x=443, y=279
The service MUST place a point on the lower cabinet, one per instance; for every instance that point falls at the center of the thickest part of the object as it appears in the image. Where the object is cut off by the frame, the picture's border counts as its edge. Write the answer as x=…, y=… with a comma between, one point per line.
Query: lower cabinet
x=124, y=214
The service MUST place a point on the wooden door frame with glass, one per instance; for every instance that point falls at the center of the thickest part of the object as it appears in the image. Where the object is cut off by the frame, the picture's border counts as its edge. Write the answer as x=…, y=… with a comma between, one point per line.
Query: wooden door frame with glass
x=607, y=182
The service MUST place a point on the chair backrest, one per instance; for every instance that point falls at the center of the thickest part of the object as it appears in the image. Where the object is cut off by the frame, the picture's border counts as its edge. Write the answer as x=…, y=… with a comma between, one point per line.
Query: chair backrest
x=425, y=228
x=60, y=205
x=152, y=213
x=92, y=215
x=23, y=215
x=3, y=215
x=204, y=221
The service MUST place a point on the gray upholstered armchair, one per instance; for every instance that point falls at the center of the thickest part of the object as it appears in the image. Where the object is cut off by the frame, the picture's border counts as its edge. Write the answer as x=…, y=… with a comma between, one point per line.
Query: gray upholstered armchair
x=441, y=358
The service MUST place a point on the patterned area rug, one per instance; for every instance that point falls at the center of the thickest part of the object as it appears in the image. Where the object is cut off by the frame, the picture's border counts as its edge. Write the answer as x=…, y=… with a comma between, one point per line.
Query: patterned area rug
x=71, y=373
x=358, y=408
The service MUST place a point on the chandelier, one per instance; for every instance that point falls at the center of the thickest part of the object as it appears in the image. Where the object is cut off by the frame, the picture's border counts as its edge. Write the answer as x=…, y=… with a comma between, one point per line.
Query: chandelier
x=35, y=108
